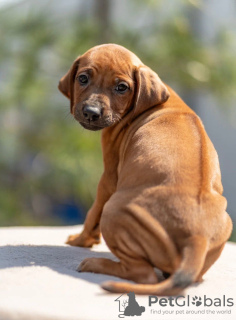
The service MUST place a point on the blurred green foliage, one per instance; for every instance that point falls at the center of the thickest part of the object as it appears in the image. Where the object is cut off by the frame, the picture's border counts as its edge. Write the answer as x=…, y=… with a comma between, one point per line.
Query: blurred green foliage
x=46, y=158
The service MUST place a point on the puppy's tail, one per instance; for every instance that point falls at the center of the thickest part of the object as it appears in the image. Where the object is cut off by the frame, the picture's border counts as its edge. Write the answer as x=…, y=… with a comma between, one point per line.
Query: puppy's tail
x=193, y=257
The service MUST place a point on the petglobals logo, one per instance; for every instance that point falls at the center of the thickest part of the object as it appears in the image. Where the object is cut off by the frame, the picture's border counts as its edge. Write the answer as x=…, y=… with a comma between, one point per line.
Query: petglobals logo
x=195, y=305
x=128, y=305
x=182, y=301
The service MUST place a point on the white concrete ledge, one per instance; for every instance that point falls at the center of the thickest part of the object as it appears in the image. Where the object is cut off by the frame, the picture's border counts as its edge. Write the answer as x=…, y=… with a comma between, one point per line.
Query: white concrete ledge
x=38, y=280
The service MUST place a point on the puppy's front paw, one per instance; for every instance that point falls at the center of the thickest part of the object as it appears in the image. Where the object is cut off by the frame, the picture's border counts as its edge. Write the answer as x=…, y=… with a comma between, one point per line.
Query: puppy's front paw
x=82, y=240
x=87, y=265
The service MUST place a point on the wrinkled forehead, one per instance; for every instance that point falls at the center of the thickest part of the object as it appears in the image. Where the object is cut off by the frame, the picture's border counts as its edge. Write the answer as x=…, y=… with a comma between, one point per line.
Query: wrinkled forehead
x=110, y=58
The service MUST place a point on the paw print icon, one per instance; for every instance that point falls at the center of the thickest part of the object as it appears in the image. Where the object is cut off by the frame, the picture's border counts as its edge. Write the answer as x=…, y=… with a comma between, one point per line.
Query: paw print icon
x=197, y=301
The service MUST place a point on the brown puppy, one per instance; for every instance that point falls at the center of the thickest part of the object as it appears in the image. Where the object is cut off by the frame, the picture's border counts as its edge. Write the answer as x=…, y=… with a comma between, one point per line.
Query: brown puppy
x=159, y=201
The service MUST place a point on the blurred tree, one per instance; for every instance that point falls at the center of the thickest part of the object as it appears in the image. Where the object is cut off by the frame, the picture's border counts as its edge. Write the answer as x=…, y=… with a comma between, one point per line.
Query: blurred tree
x=49, y=165
x=102, y=17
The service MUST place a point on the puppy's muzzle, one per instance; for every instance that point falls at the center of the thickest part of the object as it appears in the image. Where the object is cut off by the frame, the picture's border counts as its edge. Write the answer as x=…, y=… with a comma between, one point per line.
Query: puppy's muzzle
x=92, y=113
x=94, y=116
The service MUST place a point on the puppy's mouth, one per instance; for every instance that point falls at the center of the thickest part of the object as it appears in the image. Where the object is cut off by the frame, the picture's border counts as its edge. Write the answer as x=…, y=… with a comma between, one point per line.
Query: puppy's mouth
x=92, y=126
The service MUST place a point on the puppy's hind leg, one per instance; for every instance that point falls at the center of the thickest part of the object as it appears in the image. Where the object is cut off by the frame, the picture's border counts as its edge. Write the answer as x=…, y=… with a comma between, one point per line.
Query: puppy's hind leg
x=193, y=258
x=138, y=271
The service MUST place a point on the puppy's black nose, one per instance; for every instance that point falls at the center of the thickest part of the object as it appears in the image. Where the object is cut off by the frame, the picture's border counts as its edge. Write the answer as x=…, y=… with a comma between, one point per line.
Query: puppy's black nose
x=92, y=113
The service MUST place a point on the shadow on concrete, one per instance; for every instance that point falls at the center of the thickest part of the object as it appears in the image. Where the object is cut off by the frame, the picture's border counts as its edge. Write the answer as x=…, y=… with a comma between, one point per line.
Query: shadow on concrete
x=62, y=259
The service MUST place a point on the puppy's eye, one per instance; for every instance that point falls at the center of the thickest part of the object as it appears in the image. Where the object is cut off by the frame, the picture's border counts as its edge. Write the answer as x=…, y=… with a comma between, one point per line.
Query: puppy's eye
x=122, y=87
x=83, y=79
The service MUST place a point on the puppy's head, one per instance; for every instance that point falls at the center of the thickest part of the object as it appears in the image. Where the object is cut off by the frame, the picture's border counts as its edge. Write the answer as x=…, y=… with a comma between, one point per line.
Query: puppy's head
x=106, y=83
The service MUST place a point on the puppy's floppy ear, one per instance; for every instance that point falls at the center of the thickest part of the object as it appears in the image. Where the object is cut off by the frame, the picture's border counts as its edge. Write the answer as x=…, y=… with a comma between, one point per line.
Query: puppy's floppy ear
x=66, y=84
x=150, y=90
